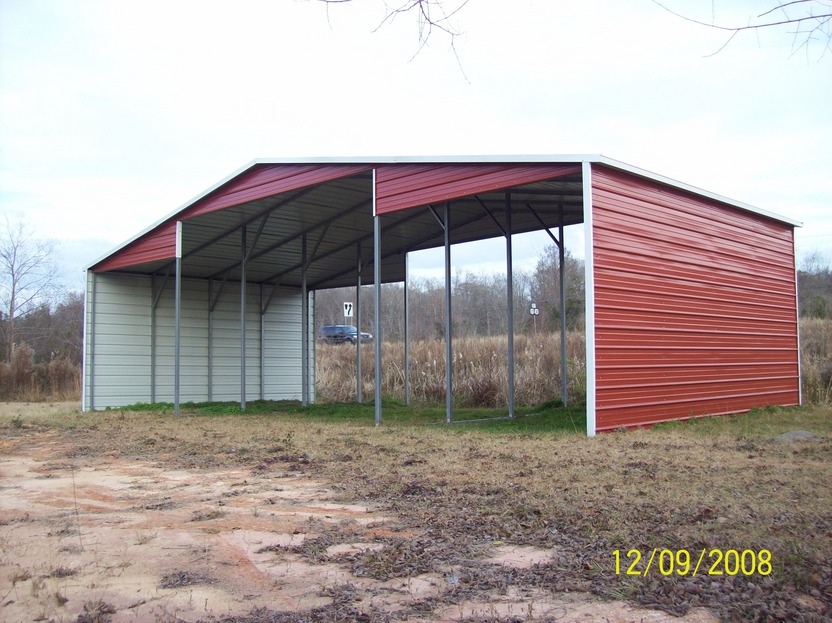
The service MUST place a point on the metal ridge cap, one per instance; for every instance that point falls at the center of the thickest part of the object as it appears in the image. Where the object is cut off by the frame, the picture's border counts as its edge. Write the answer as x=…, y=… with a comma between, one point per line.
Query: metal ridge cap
x=434, y=159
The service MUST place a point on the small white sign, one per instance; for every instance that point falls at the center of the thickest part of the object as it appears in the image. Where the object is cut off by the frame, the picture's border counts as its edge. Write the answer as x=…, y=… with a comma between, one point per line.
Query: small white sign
x=534, y=311
x=347, y=310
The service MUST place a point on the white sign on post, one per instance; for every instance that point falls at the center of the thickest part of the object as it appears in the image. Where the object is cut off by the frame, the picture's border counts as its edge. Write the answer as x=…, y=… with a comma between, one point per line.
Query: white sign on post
x=534, y=311
x=347, y=310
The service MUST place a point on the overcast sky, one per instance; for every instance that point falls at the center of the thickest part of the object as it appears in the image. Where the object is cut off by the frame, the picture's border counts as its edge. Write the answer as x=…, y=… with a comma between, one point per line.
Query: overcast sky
x=113, y=113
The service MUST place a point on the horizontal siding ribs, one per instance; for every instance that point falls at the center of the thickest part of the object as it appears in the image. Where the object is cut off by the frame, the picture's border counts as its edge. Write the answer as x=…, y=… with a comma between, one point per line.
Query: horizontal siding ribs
x=694, y=305
x=399, y=187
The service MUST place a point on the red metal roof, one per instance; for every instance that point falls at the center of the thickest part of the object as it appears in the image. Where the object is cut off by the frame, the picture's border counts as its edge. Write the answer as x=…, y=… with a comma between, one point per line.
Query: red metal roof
x=402, y=186
x=258, y=182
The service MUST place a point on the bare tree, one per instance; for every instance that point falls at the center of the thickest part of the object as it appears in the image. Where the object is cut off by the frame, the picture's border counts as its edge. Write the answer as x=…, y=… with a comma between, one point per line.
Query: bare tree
x=809, y=21
x=431, y=16
x=28, y=275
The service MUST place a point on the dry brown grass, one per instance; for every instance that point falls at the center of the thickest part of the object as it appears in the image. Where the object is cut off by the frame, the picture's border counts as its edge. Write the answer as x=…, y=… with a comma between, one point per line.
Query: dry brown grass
x=480, y=370
x=816, y=360
x=23, y=379
x=461, y=490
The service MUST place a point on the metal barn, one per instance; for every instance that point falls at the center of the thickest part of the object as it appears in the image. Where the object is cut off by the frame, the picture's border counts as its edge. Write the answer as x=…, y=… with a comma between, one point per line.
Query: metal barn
x=691, y=300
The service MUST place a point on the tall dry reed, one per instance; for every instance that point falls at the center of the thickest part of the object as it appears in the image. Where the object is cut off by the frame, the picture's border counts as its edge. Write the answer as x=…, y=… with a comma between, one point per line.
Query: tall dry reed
x=816, y=359
x=481, y=376
x=480, y=370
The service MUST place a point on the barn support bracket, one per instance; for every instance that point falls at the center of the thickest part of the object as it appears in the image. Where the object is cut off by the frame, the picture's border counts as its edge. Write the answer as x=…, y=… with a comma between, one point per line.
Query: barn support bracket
x=377, y=303
x=154, y=304
x=491, y=214
x=264, y=308
x=358, y=397
x=509, y=306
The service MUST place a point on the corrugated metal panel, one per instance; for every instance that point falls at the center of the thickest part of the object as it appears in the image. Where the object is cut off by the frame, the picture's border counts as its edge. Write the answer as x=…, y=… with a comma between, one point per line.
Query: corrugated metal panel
x=159, y=244
x=694, y=305
x=266, y=180
x=400, y=186
x=259, y=182
x=122, y=344
x=121, y=348
x=193, y=358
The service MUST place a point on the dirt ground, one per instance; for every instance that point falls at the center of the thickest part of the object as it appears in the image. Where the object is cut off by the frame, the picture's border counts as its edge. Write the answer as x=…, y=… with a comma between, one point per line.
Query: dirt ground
x=92, y=536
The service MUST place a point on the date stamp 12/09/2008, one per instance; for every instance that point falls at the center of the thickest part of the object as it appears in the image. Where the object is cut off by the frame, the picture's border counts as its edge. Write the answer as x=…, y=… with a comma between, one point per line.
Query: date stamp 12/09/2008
x=681, y=562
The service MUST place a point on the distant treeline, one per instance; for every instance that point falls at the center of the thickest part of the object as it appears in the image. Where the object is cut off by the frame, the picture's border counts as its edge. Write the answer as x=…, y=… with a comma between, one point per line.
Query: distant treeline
x=48, y=338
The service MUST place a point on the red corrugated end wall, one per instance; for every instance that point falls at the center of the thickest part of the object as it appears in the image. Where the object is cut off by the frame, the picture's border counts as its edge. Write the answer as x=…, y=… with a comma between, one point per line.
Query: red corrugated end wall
x=400, y=186
x=261, y=180
x=695, y=309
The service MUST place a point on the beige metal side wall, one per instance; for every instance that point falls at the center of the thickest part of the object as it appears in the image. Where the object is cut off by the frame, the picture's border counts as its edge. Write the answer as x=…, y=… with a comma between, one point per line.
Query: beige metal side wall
x=119, y=343
x=125, y=361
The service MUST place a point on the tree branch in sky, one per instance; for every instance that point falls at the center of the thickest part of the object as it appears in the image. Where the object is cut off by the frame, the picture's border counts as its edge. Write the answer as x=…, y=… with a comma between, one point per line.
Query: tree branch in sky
x=812, y=21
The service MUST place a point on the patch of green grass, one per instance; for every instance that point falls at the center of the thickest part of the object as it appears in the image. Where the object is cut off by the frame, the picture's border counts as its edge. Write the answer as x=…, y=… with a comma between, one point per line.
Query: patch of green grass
x=550, y=416
x=761, y=422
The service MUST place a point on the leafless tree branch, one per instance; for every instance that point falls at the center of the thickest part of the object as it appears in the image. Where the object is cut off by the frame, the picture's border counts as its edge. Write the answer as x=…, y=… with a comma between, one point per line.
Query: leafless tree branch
x=820, y=23
x=431, y=15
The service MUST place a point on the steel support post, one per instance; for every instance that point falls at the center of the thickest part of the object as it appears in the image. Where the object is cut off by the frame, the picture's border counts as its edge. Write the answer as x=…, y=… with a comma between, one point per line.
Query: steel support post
x=589, y=281
x=210, y=340
x=358, y=325
x=92, y=330
x=262, y=346
x=154, y=299
x=304, y=331
x=510, y=308
x=562, y=280
x=243, y=318
x=406, y=328
x=177, y=318
x=377, y=305
x=449, y=373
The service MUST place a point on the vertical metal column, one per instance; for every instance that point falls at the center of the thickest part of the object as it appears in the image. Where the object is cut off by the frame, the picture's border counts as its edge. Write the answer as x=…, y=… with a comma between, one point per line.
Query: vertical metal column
x=153, y=300
x=561, y=260
x=304, y=331
x=358, y=325
x=177, y=317
x=243, y=318
x=406, y=328
x=449, y=374
x=210, y=340
x=92, y=329
x=262, y=347
x=377, y=303
x=510, y=308
x=589, y=280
